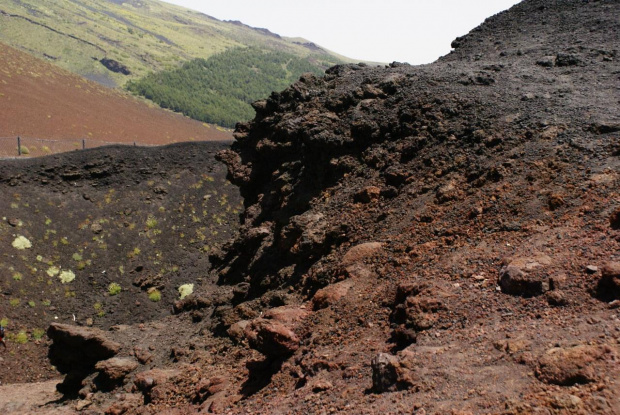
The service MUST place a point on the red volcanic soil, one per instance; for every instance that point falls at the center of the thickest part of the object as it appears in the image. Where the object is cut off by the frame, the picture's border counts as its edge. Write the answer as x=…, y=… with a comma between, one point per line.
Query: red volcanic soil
x=40, y=100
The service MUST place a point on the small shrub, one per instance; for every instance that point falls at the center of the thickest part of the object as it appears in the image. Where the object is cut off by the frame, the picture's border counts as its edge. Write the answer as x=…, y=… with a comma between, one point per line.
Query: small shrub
x=114, y=289
x=21, y=243
x=53, y=271
x=66, y=276
x=185, y=290
x=151, y=222
x=46, y=303
x=38, y=334
x=21, y=338
x=4, y=322
x=32, y=304
x=155, y=295
x=14, y=302
x=24, y=150
x=77, y=257
x=17, y=276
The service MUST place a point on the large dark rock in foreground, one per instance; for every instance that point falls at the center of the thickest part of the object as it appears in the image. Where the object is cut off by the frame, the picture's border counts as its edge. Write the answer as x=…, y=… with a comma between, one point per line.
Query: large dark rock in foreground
x=76, y=350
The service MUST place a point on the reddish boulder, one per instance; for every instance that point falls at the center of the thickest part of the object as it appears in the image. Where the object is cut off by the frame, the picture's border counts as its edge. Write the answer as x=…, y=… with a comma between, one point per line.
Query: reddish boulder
x=570, y=366
x=360, y=252
x=116, y=368
x=330, y=294
x=271, y=338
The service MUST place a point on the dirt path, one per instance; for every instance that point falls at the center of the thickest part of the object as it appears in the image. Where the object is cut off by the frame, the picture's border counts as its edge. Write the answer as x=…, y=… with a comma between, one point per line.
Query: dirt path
x=30, y=398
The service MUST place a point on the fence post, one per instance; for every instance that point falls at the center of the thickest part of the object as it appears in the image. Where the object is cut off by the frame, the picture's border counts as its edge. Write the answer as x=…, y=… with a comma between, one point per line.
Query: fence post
x=19, y=146
x=83, y=144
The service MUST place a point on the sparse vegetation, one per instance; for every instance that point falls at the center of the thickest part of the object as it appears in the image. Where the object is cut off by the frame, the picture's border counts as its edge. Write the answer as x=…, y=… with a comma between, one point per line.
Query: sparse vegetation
x=66, y=276
x=38, y=334
x=21, y=243
x=151, y=222
x=154, y=295
x=21, y=338
x=185, y=290
x=114, y=289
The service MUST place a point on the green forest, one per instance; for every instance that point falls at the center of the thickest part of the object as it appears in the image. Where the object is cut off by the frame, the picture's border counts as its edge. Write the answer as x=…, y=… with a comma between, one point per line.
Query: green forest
x=219, y=90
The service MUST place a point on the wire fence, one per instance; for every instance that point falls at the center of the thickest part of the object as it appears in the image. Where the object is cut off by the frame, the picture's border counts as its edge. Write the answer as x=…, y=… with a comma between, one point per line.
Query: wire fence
x=18, y=147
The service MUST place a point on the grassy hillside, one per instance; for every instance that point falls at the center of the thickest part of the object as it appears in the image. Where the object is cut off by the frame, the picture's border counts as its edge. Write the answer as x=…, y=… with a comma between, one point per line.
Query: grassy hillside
x=219, y=90
x=136, y=37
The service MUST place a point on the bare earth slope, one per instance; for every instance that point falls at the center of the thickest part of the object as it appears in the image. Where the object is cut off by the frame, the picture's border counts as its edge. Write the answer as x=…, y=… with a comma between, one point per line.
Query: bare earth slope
x=41, y=100
x=441, y=239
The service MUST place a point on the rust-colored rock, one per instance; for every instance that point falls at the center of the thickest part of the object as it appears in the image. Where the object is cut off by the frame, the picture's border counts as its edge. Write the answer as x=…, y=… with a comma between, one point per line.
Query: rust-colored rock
x=570, y=366
x=271, y=338
x=147, y=380
x=116, y=368
x=360, y=252
x=331, y=294
x=286, y=315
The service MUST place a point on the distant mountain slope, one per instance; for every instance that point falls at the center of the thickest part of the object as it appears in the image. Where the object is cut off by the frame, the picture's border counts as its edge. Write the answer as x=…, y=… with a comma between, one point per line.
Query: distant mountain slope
x=38, y=99
x=114, y=41
x=219, y=90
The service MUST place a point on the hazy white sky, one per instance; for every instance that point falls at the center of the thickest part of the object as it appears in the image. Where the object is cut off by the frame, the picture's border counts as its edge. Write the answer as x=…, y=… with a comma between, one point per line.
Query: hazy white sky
x=414, y=31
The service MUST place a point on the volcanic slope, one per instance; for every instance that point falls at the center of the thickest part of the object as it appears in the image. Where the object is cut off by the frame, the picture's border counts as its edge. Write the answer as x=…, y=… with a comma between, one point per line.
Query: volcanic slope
x=40, y=100
x=435, y=239
x=104, y=237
